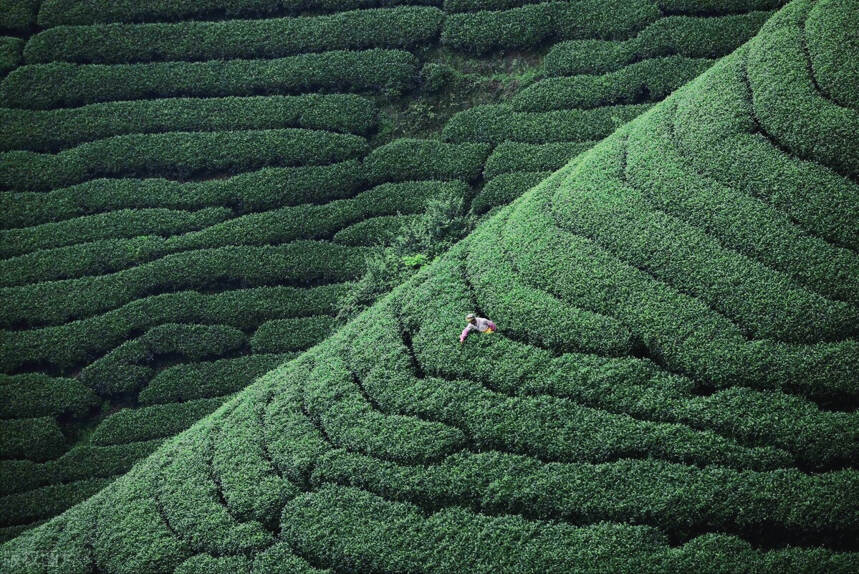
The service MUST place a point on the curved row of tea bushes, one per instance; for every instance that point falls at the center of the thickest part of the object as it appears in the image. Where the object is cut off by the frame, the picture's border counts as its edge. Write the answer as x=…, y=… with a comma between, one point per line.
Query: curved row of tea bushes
x=53, y=130
x=831, y=24
x=690, y=37
x=47, y=86
x=318, y=221
x=205, y=379
x=271, y=227
x=792, y=111
x=38, y=395
x=717, y=354
x=726, y=146
x=70, y=262
x=530, y=26
x=285, y=335
x=616, y=384
x=151, y=422
x=59, y=12
x=649, y=80
x=80, y=463
x=745, y=224
x=32, y=439
x=47, y=501
x=498, y=123
x=552, y=429
x=344, y=525
x=10, y=53
x=18, y=15
x=76, y=344
x=509, y=156
x=506, y=187
x=176, y=154
x=759, y=301
x=666, y=6
x=268, y=188
x=373, y=231
x=653, y=492
x=301, y=263
x=126, y=369
x=415, y=159
x=124, y=224
x=402, y=27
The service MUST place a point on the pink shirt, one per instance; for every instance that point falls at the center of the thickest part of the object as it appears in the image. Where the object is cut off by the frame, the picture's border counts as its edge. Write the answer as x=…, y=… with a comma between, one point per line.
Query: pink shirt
x=480, y=324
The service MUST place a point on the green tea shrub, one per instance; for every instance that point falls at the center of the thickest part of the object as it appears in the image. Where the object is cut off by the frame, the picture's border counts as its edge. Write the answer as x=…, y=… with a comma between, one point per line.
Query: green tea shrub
x=205, y=379
x=267, y=188
x=686, y=36
x=77, y=343
x=176, y=154
x=649, y=80
x=401, y=27
x=52, y=130
x=156, y=421
x=57, y=12
x=413, y=159
x=37, y=395
x=517, y=156
x=47, y=86
x=498, y=123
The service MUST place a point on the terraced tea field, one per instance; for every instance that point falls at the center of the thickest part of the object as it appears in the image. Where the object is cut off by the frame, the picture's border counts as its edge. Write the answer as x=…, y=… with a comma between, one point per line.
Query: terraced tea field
x=187, y=188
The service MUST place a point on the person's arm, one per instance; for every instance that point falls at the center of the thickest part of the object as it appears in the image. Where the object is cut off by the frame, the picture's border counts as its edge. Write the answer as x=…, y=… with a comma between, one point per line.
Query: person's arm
x=465, y=333
x=492, y=325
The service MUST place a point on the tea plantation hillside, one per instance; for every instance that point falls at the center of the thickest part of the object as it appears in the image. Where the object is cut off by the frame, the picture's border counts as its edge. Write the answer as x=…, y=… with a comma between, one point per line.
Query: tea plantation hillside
x=672, y=387
x=187, y=187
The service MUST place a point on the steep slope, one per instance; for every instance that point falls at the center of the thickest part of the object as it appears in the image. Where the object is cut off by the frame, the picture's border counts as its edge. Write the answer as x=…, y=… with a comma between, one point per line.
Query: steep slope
x=673, y=386
x=187, y=187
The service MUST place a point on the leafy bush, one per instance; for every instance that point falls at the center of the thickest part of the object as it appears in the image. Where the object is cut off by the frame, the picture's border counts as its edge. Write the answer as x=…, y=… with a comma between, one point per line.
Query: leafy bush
x=828, y=26
x=412, y=159
x=516, y=156
x=46, y=86
x=10, y=54
x=176, y=154
x=125, y=223
x=787, y=103
x=402, y=27
x=532, y=25
x=728, y=148
x=37, y=395
x=18, y=15
x=315, y=221
x=52, y=130
x=418, y=242
x=505, y=188
x=284, y=335
x=498, y=123
x=373, y=231
x=32, y=439
x=267, y=188
x=57, y=12
x=675, y=35
x=79, y=463
x=129, y=367
x=650, y=80
x=78, y=343
x=145, y=423
x=26, y=507
x=188, y=381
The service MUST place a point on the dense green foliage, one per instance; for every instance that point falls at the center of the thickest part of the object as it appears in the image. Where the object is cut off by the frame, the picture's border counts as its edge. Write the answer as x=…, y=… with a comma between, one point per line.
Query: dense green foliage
x=53, y=130
x=675, y=35
x=402, y=27
x=189, y=200
x=59, y=84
